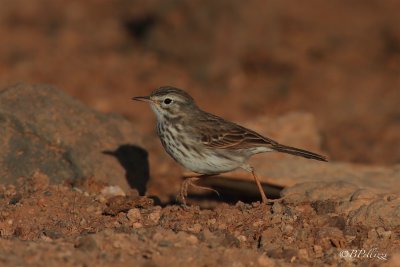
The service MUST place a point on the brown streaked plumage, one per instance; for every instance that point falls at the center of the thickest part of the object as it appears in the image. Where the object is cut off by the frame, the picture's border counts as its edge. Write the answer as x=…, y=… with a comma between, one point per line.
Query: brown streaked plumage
x=205, y=143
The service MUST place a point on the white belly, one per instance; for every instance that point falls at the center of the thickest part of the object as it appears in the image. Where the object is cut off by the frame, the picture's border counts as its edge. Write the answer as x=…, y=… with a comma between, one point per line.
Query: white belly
x=210, y=163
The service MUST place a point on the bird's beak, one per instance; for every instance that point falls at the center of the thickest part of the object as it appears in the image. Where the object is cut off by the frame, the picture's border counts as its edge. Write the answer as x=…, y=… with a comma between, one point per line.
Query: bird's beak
x=142, y=98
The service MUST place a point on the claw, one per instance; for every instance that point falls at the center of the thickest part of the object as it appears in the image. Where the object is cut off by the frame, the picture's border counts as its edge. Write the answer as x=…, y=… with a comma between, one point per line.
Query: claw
x=190, y=182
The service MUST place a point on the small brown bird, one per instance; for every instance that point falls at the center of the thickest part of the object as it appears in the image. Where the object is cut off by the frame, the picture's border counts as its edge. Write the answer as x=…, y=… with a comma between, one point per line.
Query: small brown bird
x=207, y=144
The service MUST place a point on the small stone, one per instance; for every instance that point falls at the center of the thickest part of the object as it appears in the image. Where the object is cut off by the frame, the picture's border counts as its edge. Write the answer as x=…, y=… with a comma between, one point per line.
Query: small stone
x=208, y=235
x=318, y=251
x=155, y=216
x=112, y=191
x=222, y=226
x=390, y=197
x=137, y=225
x=258, y=223
x=117, y=244
x=276, y=219
x=133, y=193
x=101, y=199
x=86, y=243
x=386, y=234
x=196, y=228
x=192, y=239
x=382, y=233
x=288, y=228
x=41, y=202
x=303, y=254
x=134, y=215
x=380, y=230
x=40, y=181
x=211, y=221
x=15, y=199
x=76, y=189
x=165, y=243
x=46, y=238
x=157, y=236
x=265, y=261
x=277, y=208
x=362, y=194
x=242, y=238
x=91, y=209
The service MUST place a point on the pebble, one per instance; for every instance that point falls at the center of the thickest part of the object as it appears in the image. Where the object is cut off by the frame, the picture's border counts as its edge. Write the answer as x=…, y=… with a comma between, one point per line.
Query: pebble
x=137, y=225
x=211, y=221
x=303, y=254
x=165, y=243
x=155, y=216
x=101, y=199
x=222, y=226
x=86, y=243
x=382, y=233
x=318, y=251
x=112, y=191
x=258, y=223
x=134, y=215
x=242, y=238
x=277, y=208
x=288, y=228
x=196, y=228
x=192, y=239
x=265, y=261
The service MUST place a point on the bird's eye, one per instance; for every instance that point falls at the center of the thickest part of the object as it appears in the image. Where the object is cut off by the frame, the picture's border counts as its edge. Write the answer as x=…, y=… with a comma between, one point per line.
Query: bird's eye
x=167, y=101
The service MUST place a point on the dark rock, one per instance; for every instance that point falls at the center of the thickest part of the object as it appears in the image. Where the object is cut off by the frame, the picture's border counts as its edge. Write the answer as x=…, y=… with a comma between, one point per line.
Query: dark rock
x=123, y=204
x=86, y=243
x=15, y=199
x=324, y=206
x=52, y=234
x=43, y=129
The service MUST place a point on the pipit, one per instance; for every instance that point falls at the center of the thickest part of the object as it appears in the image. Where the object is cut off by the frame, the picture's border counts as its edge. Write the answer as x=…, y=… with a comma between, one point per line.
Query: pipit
x=205, y=143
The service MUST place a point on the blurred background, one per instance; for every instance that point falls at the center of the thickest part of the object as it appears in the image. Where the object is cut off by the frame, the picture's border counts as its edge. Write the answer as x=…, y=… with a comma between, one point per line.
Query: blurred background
x=339, y=60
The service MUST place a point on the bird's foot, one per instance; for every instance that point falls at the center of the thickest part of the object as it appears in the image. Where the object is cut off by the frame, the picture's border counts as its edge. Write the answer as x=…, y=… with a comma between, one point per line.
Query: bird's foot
x=184, y=189
x=277, y=200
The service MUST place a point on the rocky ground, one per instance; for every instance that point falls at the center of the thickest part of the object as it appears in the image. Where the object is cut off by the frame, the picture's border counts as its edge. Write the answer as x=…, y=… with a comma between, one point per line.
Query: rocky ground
x=85, y=182
x=95, y=225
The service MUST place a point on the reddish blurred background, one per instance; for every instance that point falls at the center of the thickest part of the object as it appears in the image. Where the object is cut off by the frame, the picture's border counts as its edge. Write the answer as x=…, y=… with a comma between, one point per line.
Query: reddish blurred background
x=339, y=60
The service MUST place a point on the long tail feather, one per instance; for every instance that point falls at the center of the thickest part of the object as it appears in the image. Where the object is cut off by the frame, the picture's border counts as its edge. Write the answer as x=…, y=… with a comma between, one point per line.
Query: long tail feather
x=298, y=152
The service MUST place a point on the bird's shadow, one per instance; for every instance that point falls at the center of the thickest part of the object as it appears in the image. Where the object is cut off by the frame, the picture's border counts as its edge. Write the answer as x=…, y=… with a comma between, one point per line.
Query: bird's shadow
x=134, y=160
x=230, y=190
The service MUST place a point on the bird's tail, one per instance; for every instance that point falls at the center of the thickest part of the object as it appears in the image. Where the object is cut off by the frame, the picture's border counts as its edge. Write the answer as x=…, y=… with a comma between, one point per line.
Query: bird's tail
x=298, y=152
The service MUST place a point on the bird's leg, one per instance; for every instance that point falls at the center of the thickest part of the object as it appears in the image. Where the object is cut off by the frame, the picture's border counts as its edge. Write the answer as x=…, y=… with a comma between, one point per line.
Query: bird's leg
x=183, y=192
x=263, y=196
x=189, y=181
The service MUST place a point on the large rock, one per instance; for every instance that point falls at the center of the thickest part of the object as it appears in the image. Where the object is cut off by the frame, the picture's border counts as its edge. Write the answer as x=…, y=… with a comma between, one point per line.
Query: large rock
x=43, y=129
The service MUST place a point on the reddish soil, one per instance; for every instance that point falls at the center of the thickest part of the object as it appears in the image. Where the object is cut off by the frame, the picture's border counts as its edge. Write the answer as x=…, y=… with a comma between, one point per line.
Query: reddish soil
x=61, y=225
x=339, y=61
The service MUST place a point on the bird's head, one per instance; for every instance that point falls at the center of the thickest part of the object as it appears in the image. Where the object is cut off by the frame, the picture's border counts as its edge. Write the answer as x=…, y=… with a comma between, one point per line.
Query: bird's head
x=169, y=102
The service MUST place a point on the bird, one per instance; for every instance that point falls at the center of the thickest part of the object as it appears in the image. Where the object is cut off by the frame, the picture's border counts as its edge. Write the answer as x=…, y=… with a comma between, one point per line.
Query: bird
x=207, y=144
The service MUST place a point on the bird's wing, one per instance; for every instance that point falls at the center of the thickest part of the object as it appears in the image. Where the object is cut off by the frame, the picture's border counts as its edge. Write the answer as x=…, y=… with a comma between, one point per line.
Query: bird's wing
x=222, y=134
